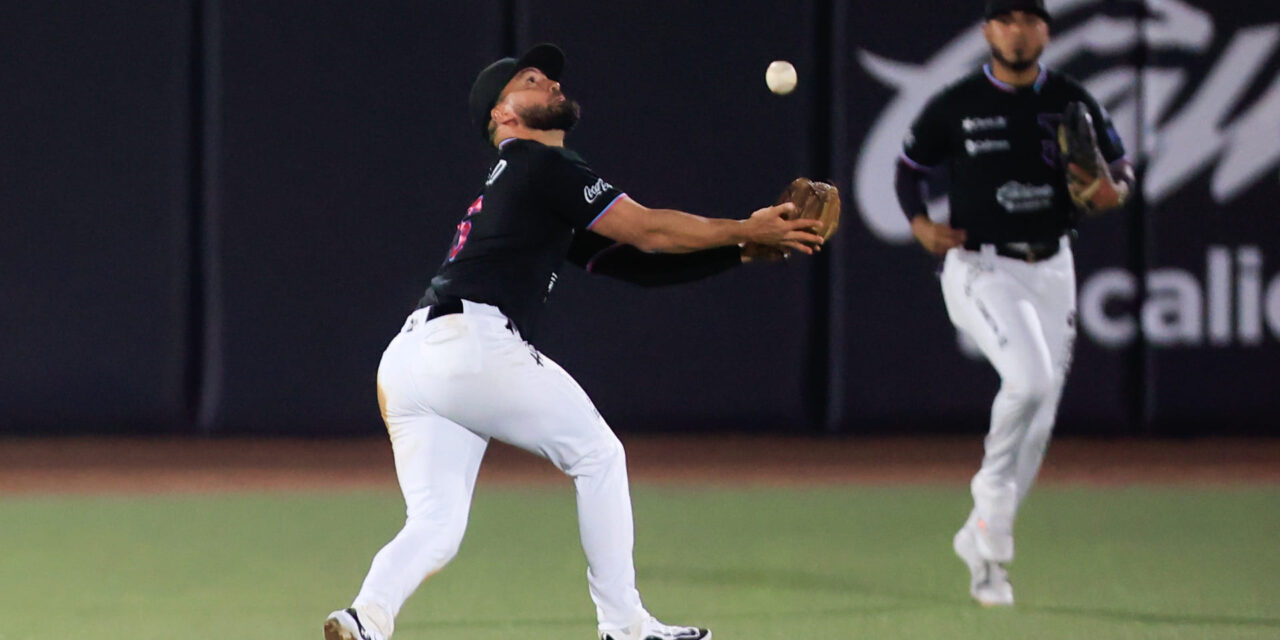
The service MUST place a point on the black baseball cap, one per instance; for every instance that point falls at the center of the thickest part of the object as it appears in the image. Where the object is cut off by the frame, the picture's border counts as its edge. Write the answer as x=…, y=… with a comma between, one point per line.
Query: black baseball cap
x=997, y=7
x=545, y=57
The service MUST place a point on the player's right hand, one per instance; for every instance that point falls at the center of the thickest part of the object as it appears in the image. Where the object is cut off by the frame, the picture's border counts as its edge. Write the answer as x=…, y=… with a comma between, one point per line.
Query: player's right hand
x=769, y=226
x=936, y=237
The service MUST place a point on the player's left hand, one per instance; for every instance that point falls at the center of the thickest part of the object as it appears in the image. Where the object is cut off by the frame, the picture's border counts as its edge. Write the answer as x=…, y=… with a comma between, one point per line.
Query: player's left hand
x=1094, y=192
x=802, y=199
x=773, y=228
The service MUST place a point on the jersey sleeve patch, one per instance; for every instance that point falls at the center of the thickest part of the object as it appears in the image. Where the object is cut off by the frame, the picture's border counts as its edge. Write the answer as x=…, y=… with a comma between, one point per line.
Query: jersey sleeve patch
x=572, y=190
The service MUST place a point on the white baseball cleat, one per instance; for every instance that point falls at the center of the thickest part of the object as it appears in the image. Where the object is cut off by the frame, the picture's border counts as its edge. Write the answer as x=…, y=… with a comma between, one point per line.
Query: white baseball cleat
x=345, y=624
x=988, y=581
x=651, y=629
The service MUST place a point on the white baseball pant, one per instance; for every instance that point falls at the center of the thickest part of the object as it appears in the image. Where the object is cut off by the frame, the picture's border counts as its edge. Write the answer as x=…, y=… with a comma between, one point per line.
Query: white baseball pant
x=449, y=385
x=1022, y=317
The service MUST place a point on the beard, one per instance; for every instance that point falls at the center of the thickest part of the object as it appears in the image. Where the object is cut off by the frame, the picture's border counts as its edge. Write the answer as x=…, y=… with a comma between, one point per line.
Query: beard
x=1019, y=65
x=559, y=116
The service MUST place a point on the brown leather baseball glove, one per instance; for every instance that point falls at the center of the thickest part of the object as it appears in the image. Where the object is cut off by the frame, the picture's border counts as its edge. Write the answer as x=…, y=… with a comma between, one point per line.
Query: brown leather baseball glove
x=813, y=201
x=1078, y=144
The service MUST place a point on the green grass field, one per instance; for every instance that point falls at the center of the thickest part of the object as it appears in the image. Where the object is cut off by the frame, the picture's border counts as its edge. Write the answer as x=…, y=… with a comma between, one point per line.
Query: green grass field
x=854, y=562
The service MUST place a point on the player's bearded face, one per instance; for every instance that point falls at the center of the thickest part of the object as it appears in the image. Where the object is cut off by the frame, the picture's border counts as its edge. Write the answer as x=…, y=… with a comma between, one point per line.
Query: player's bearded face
x=1019, y=57
x=560, y=115
x=1017, y=39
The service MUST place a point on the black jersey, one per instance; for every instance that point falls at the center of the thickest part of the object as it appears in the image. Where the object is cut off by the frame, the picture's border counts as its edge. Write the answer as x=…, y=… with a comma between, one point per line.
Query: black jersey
x=999, y=143
x=516, y=234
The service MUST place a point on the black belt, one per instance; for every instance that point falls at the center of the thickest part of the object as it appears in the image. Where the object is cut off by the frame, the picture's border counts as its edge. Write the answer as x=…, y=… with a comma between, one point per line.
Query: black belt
x=444, y=306
x=1025, y=251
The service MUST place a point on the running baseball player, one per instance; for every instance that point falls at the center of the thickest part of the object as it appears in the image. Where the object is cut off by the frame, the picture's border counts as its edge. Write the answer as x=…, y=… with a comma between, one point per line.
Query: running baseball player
x=461, y=371
x=1008, y=279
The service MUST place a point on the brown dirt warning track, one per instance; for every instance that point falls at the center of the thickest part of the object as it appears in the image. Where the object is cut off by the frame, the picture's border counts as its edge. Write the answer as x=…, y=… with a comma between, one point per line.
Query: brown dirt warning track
x=142, y=466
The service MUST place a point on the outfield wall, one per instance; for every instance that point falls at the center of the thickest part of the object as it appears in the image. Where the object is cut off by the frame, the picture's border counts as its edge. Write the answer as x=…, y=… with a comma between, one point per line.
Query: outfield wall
x=220, y=211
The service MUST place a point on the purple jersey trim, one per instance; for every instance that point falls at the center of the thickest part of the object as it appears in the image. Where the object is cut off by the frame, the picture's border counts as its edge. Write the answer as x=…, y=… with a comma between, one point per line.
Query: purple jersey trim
x=1008, y=88
x=606, y=209
x=1040, y=79
x=1003, y=86
x=504, y=142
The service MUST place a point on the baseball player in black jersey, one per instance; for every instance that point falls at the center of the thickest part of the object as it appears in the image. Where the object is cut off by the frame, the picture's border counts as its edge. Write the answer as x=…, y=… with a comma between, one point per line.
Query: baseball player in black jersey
x=461, y=371
x=1008, y=279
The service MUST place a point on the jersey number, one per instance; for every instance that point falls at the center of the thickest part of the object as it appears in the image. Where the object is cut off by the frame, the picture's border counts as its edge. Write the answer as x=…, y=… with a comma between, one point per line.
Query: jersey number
x=464, y=229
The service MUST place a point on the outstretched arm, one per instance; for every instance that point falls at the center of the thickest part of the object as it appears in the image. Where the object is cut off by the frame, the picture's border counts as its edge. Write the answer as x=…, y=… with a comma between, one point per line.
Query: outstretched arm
x=672, y=231
x=599, y=255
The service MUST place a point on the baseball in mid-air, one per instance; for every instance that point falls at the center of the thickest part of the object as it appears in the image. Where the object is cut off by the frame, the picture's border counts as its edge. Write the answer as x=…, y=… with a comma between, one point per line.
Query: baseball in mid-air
x=781, y=77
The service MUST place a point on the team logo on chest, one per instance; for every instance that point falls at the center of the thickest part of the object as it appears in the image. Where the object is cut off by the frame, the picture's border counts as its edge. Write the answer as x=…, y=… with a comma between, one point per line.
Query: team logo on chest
x=1017, y=197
